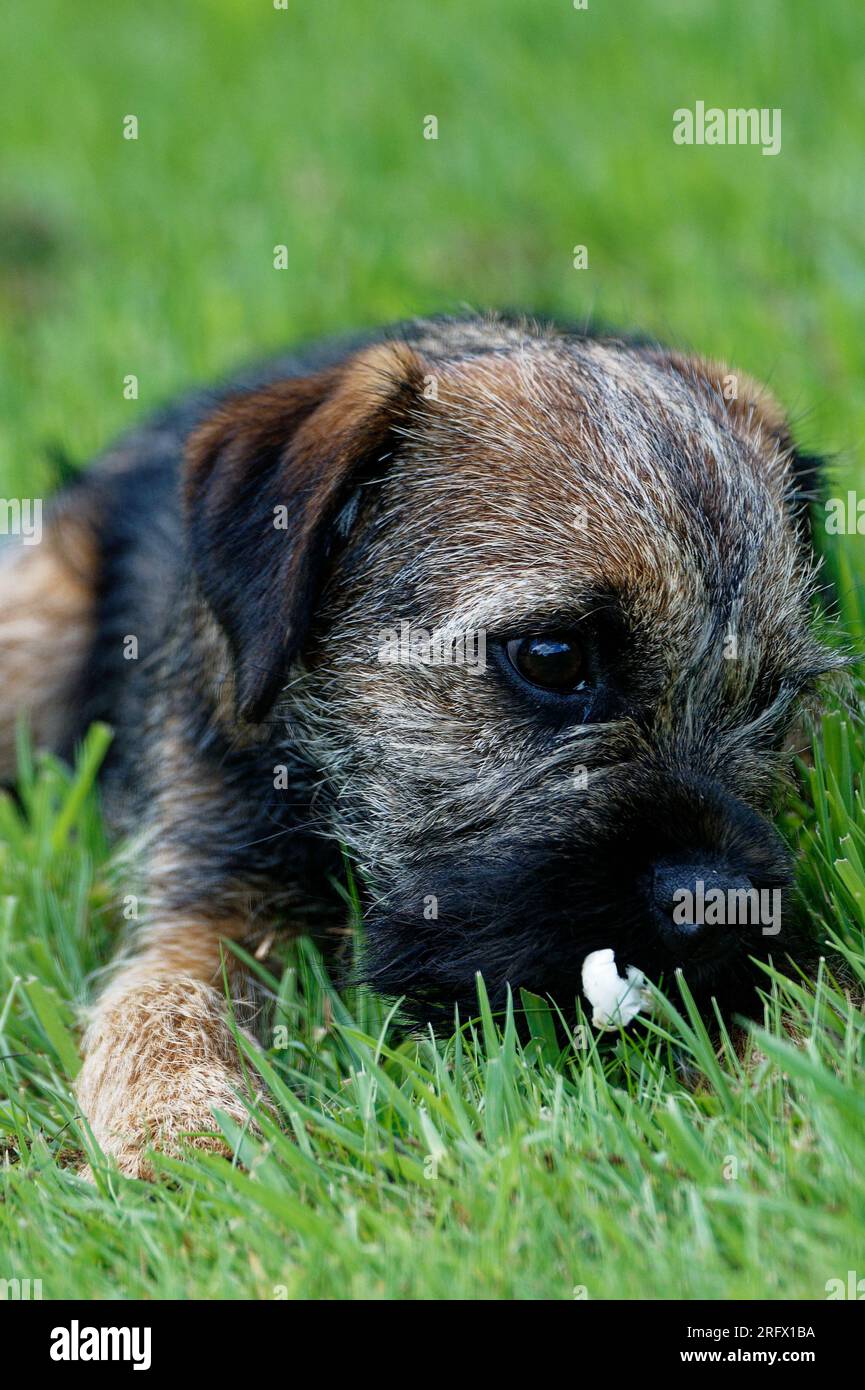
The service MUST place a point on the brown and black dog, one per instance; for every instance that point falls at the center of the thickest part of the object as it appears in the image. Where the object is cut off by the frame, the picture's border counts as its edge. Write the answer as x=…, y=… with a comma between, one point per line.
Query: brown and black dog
x=620, y=531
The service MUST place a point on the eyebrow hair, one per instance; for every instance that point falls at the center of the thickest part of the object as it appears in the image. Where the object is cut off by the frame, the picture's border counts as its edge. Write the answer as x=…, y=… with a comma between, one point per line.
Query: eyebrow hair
x=500, y=610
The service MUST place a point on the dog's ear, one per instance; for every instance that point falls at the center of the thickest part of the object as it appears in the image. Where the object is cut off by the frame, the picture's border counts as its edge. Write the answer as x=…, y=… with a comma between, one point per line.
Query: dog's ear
x=266, y=479
x=749, y=406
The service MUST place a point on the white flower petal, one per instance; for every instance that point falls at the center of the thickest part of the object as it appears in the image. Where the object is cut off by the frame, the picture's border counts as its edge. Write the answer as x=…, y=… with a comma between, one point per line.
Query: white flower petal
x=615, y=1002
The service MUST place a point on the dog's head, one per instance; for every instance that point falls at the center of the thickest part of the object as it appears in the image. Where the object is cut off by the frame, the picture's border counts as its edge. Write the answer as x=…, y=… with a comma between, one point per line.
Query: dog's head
x=538, y=608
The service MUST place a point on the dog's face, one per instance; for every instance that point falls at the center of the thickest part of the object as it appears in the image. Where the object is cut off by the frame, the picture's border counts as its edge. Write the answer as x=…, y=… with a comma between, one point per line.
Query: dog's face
x=608, y=537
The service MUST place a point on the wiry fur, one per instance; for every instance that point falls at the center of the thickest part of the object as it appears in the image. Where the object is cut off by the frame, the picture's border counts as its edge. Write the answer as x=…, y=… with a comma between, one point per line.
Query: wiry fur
x=437, y=475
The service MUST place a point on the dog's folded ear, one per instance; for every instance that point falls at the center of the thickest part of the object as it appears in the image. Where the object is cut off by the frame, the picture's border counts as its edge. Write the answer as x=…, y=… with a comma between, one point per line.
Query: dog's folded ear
x=749, y=406
x=266, y=479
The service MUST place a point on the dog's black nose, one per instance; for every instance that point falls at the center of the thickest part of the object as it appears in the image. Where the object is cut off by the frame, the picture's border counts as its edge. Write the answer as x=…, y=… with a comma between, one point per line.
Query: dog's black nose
x=680, y=890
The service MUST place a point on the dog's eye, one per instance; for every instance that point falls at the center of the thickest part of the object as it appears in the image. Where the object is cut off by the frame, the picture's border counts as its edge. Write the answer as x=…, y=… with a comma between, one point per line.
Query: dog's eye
x=553, y=661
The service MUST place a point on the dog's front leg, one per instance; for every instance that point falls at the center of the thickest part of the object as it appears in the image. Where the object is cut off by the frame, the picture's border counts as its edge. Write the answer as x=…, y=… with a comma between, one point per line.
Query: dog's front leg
x=159, y=1052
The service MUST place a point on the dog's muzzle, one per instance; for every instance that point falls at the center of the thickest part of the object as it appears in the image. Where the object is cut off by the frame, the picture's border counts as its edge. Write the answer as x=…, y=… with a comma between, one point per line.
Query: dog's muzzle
x=715, y=872
x=677, y=890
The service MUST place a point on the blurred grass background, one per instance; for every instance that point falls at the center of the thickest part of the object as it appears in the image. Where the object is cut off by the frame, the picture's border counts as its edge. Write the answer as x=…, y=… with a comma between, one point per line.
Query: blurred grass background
x=304, y=127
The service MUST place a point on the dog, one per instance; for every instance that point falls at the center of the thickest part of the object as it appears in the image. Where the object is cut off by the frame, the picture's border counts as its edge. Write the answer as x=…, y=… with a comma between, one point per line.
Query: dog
x=621, y=530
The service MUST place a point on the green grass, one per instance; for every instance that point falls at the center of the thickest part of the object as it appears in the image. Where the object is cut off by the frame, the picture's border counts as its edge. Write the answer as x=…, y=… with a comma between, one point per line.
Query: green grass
x=646, y=1166
x=399, y=1166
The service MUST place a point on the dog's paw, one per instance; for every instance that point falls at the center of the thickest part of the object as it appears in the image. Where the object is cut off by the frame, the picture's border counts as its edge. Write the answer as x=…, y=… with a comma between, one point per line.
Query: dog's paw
x=159, y=1057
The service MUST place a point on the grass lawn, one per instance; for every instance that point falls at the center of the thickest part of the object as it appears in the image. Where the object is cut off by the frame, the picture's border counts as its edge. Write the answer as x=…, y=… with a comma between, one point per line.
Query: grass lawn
x=646, y=1166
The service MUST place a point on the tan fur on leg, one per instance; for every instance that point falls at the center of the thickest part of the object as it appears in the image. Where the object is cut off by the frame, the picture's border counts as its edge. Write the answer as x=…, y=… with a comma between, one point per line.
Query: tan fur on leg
x=46, y=626
x=159, y=1053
